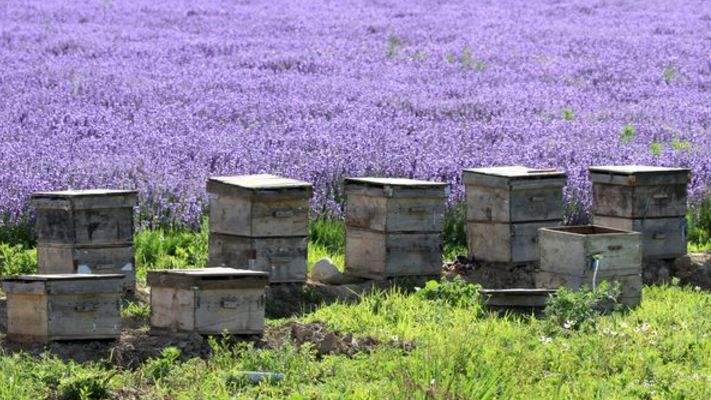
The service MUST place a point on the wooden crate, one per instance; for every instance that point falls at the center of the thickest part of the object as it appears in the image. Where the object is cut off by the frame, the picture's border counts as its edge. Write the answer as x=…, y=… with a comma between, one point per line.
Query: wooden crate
x=567, y=254
x=97, y=216
x=379, y=255
x=208, y=300
x=42, y=308
x=88, y=259
x=505, y=243
x=513, y=194
x=395, y=204
x=284, y=258
x=661, y=237
x=259, y=205
x=635, y=191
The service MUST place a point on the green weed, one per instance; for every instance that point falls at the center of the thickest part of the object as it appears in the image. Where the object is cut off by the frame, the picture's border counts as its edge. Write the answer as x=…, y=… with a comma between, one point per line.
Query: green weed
x=85, y=385
x=577, y=310
x=454, y=292
x=628, y=133
x=158, y=368
x=131, y=309
x=656, y=148
x=17, y=259
x=567, y=114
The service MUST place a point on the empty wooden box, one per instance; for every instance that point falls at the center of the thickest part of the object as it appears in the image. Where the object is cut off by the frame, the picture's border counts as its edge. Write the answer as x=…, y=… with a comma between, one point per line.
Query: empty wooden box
x=86, y=231
x=42, y=308
x=505, y=208
x=569, y=253
x=260, y=222
x=650, y=200
x=208, y=301
x=393, y=227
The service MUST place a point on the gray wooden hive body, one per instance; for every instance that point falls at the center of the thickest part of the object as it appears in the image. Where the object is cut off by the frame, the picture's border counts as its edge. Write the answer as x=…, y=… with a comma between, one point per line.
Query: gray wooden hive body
x=505, y=208
x=208, y=300
x=567, y=255
x=43, y=308
x=394, y=227
x=650, y=200
x=86, y=231
x=260, y=222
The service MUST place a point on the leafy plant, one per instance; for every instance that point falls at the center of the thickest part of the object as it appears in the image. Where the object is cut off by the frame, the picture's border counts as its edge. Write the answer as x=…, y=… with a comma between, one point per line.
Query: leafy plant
x=655, y=149
x=568, y=114
x=158, y=368
x=132, y=309
x=455, y=292
x=577, y=310
x=628, y=133
x=698, y=221
x=680, y=145
x=85, y=385
x=17, y=260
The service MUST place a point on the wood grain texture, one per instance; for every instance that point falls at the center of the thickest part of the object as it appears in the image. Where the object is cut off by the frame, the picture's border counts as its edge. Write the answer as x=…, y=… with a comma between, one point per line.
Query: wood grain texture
x=68, y=259
x=503, y=242
x=173, y=309
x=398, y=214
x=639, y=201
x=661, y=237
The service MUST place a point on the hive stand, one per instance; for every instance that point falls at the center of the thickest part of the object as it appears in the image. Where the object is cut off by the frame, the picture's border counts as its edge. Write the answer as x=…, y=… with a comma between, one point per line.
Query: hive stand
x=208, y=300
x=568, y=254
x=505, y=208
x=43, y=308
x=394, y=227
x=86, y=231
x=260, y=222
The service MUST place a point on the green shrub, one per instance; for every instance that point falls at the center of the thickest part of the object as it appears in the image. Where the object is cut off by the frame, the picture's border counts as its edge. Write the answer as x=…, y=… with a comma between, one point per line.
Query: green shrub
x=454, y=234
x=16, y=259
x=699, y=226
x=132, y=309
x=85, y=385
x=577, y=310
x=455, y=292
x=158, y=368
x=628, y=133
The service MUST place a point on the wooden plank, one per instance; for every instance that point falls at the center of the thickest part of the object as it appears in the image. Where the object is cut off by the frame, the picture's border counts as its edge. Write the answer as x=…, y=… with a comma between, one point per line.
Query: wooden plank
x=639, y=201
x=55, y=225
x=27, y=317
x=639, y=175
x=229, y=310
x=173, y=309
x=488, y=204
x=208, y=278
x=365, y=253
x=529, y=298
x=508, y=243
x=661, y=237
x=84, y=316
x=103, y=226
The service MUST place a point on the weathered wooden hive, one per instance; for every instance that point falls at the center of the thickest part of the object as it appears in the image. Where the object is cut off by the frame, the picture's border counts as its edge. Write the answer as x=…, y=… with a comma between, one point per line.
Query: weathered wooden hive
x=260, y=222
x=42, y=308
x=516, y=298
x=569, y=254
x=208, y=300
x=505, y=208
x=393, y=227
x=650, y=200
x=86, y=231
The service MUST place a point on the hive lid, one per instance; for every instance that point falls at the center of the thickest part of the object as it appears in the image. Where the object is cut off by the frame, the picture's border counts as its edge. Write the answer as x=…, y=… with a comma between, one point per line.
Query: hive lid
x=84, y=192
x=60, y=277
x=639, y=175
x=207, y=277
x=260, y=181
x=518, y=172
x=382, y=182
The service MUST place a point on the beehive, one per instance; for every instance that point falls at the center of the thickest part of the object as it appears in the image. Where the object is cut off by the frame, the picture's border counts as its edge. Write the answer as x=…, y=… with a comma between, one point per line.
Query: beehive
x=568, y=255
x=260, y=222
x=650, y=200
x=505, y=208
x=42, y=308
x=86, y=231
x=208, y=300
x=393, y=227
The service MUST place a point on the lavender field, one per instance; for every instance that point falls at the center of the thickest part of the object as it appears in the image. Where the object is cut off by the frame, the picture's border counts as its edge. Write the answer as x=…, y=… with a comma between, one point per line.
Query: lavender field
x=158, y=95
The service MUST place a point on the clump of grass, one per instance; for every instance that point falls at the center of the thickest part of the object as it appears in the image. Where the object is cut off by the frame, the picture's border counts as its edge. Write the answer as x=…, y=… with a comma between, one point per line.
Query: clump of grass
x=329, y=234
x=698, y=221
x=655, y=149
x=454, y=234
x=318, y=252
x=85, y=385
x=680, y=145
x=158, y=368
x=132, y=309
x=577, y=310
x=628, y=133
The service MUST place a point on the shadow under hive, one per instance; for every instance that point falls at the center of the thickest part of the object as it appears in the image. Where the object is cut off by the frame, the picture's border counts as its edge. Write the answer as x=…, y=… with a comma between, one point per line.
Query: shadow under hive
x=42, y=308
x=393, y=227
x=569, y=254
x=260, y=222
x=505, y=208
x=208, y=300
x=86, y=231
x=650, y=200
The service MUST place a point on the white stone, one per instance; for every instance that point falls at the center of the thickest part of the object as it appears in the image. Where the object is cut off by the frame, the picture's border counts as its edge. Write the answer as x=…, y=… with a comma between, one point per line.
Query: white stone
x=326, y=272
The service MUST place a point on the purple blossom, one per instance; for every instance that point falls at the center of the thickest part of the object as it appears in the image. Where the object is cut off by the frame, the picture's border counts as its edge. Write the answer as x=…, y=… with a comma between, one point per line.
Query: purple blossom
x=159, y=95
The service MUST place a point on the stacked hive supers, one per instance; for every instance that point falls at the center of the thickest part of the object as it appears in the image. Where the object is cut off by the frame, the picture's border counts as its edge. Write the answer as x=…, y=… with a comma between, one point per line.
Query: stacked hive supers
x=393, y=227
x=260, y=222
x=650, y=200
x=505, y=208
x=86, y=231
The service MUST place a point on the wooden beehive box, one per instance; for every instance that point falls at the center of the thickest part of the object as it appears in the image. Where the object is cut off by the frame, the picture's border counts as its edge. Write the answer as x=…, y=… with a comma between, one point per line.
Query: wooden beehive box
x=568, y=253
x=42, y=308
x=650, y=200
x=208, y=300
x=86, y=231
x=284, y=258
x=394, y=226
x=505, y=208
x=516, y=298
x=259, y=206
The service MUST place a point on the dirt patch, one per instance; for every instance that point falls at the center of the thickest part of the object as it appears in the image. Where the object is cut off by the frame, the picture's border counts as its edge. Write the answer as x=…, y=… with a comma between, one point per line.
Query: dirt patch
x=324, y=340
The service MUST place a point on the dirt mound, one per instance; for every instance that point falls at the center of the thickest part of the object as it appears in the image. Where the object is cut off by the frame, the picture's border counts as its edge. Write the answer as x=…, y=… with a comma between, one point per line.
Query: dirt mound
x=324, y=340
